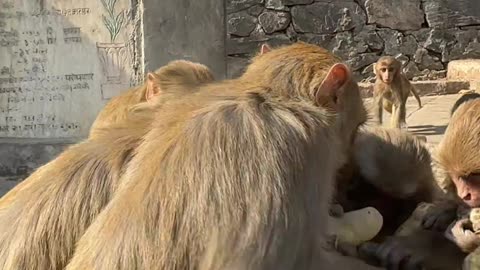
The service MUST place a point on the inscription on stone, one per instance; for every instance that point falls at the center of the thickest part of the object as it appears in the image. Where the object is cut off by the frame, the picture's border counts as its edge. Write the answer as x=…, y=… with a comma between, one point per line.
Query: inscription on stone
x=58, y=65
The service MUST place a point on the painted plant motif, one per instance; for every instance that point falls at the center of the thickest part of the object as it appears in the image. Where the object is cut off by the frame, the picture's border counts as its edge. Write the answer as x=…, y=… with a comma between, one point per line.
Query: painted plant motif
x=113, y=55
x=113, y=22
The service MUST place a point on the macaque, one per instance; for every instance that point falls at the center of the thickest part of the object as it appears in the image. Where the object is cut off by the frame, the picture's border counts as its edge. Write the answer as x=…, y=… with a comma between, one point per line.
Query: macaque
x=390, y=171
x=457, y=156
x=391, y=91
x=117, y=109
x=230, y=178
x=42, y=218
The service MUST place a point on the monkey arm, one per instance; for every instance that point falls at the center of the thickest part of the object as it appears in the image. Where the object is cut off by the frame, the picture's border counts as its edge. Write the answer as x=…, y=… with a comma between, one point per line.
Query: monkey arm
x=399, y=115
x=461, y=234
x=378, y=103
x=427, y=249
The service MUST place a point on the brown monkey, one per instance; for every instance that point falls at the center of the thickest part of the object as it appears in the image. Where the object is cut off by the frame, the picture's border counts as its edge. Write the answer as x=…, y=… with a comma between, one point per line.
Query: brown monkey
x=456, y=154
x=391, y=91
x=42, y=218
x=117, y=109
x=390, y=171
x=231, y=178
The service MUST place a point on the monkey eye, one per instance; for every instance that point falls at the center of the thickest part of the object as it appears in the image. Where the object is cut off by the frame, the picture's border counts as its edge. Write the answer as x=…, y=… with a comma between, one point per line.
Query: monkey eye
x=472, y=177
x=474, y=174
x=383, y=69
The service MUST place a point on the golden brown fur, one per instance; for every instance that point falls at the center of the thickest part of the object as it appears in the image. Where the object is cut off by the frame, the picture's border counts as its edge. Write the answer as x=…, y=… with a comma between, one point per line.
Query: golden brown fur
x=42, y=218
x=396, y=162
x=455, y=152
x=457, y=157
x=117, y=109
x=391, y=91
x=237, y=177
x=390, y=170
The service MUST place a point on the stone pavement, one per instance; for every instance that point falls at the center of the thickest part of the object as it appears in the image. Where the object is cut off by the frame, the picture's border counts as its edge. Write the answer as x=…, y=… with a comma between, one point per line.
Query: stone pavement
x=430, y=121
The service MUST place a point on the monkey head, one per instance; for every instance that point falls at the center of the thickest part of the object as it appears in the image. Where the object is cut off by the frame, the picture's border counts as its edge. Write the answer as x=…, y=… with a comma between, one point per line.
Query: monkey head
x=177, y=73
x=458, y=152
x=307, y=72
x=386, y=69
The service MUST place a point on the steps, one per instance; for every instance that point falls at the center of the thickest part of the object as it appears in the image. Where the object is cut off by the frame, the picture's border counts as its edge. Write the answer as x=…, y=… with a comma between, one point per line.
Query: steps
x=462, y=75
x=426, y=88
x=465, y=70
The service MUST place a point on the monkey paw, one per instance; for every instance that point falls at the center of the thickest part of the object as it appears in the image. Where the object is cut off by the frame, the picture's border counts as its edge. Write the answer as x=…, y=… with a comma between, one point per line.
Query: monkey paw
x=391, y=255
x=475, y=219
x=459, y=232
x=439, y=220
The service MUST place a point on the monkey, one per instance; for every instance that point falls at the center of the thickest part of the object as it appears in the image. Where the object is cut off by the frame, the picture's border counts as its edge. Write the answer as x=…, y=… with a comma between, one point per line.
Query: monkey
x=456, y=154
x=391, y=90
x=462, y=100
x=117, y=109
x=230, y=178
x=389, y=169
x=42, y=218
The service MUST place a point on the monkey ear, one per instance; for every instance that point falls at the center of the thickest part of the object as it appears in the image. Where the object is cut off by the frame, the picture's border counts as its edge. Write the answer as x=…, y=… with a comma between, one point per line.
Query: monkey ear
x=328, y=91
x=265, y=48
x=375, y=68
x=153, y=89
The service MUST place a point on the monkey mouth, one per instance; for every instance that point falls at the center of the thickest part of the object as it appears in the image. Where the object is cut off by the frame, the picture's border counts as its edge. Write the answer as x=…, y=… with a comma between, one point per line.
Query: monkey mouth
x=472, y=204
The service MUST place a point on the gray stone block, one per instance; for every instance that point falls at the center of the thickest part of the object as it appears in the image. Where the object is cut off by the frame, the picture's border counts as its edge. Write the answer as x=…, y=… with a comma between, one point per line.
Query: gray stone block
x=328, y=18
x=452, y=13
x=238, y=5
x=400, y=15
x=241, y=24
x=273, y=21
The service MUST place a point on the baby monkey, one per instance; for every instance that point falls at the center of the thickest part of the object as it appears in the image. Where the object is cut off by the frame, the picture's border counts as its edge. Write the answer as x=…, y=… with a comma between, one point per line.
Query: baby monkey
x=391, y=91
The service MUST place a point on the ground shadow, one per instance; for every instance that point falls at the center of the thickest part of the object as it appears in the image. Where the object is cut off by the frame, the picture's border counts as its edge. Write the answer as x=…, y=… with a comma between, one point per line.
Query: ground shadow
x=427, y=129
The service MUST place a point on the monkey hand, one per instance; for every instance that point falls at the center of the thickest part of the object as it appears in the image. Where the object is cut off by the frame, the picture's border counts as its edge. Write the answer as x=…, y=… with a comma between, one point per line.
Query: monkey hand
x=390, y=255
x=439, y=219
x=461, y=234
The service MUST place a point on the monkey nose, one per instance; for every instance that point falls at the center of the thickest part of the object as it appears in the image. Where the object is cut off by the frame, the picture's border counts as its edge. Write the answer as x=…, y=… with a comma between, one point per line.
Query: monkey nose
x=467, y=197
x=471, y=200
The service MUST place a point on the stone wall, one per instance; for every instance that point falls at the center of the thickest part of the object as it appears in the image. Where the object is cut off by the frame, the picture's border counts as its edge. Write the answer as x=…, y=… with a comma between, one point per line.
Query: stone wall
x=424, y=34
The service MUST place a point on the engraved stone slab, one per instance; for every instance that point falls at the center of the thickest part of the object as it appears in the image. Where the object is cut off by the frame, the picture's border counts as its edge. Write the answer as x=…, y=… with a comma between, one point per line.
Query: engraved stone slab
x=60, y=61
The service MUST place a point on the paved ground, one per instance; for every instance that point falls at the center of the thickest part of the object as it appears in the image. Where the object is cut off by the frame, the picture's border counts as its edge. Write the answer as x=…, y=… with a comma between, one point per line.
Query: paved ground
x=431, y=120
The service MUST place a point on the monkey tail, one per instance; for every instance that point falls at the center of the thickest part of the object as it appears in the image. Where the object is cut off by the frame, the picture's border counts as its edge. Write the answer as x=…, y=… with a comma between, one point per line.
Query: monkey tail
x=417, y=97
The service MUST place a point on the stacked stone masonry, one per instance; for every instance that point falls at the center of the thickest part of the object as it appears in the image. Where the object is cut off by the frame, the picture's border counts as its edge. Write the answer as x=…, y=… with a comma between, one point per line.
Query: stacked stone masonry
x=423, y=34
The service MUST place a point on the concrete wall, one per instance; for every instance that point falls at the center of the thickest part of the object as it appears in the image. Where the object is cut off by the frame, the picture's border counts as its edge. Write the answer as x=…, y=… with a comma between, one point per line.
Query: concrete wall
x=192, y=30
x=424, y=34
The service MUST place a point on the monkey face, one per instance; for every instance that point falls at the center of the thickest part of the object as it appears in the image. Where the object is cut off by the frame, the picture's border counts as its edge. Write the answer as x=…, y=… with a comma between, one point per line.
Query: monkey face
x=468, y=188
x=387, y=73
x=386, y=69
